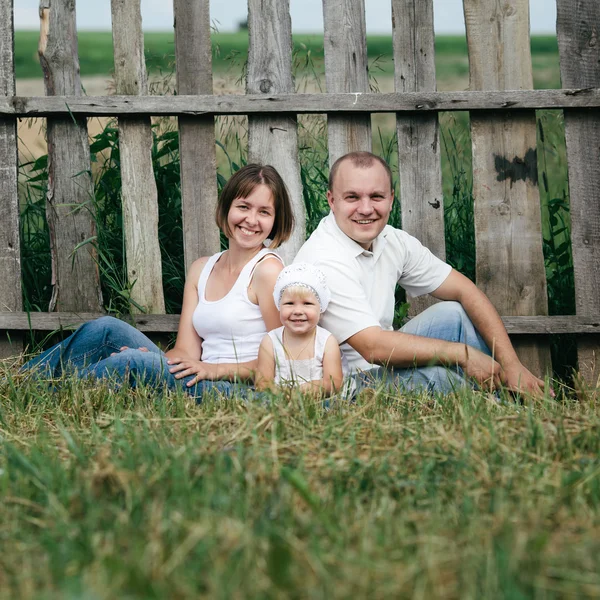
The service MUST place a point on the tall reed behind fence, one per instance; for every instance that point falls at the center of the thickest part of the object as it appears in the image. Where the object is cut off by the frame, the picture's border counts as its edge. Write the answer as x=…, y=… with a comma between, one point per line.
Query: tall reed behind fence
x=501, y=102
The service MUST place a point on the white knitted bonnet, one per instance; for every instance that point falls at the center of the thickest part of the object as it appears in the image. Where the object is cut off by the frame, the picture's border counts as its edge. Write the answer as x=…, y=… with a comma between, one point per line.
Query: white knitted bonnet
x=303, y=275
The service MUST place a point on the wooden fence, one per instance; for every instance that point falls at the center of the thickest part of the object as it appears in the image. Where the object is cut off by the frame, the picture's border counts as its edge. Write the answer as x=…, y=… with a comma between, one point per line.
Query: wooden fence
x=501, y=101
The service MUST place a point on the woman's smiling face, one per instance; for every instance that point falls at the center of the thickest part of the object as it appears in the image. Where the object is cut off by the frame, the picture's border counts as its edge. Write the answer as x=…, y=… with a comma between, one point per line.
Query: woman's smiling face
x=251, y=219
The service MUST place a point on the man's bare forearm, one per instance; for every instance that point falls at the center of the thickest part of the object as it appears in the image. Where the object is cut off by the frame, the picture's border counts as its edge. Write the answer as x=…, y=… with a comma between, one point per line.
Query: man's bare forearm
x=398, y=349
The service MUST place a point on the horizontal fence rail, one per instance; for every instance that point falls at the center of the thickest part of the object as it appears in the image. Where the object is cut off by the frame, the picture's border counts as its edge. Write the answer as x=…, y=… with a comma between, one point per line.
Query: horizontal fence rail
x=40, y=321
x=237, y=104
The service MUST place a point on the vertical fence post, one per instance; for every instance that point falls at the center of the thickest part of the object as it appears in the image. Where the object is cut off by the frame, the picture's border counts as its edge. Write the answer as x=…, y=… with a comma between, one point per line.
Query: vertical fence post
x=193, y=59
x=140, y=201
x=274, y=139
x=346, y=70
x=419, y=163
x=578, y=28
x=70, y=198
x=10, y=253
x=510, y=262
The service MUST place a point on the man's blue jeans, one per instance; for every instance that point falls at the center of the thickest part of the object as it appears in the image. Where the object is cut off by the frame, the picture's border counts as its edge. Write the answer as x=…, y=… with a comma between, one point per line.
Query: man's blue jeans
x=445, y=321
x=87, y=353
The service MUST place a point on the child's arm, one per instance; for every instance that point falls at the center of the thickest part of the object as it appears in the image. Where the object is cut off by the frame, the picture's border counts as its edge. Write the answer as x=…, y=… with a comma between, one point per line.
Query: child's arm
x=265, y=369
x=333, y=377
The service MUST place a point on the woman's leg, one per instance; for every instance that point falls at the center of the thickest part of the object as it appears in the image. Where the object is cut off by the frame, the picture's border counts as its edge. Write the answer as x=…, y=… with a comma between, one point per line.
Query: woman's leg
x=89, y=344
x=135, y=367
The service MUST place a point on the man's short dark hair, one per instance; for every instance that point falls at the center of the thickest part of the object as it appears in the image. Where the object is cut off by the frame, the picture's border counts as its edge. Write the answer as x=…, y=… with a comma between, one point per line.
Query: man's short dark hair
x=361, y=160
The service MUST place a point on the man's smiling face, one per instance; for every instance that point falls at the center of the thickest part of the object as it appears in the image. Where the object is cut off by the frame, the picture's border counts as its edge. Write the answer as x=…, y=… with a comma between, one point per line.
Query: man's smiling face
x=361, y=199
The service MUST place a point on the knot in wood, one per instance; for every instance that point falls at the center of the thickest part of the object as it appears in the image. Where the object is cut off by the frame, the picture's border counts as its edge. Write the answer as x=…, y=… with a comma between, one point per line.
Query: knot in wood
x=503, y=209
x=266, y=85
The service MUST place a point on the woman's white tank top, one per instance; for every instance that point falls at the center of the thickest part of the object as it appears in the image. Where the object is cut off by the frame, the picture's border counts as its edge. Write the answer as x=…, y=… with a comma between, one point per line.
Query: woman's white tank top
x=298, y=371
x=231, y=328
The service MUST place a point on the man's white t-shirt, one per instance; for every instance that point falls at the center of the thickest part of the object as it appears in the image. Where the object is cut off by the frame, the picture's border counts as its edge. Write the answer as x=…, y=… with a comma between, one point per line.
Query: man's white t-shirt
x=363, y=282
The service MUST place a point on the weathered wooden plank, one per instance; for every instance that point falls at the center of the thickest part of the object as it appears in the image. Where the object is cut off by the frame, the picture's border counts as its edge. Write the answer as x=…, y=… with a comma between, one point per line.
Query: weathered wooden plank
x=10, y=256
x=419, y=160
x=578, y=27
x=193, y=58
x=346, y=70
x=37, y=321
x=235, y=104
x=69, y=208
x=140, y=202
x=273, y=139
x=510, y=262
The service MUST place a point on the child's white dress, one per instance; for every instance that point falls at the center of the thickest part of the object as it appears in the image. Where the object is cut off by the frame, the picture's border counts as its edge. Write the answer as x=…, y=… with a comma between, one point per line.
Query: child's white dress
x=288, y=371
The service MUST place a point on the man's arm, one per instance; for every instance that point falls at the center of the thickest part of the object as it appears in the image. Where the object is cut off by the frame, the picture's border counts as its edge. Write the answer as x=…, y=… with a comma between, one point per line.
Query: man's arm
x=489, y=324
x=400, y=349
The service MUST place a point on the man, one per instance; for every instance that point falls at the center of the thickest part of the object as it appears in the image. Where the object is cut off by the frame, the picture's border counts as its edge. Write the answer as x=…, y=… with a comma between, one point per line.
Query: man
x=363, y=258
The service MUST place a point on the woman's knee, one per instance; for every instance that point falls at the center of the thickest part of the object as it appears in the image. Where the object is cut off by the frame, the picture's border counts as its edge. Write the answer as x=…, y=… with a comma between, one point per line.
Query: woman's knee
x=102, y=324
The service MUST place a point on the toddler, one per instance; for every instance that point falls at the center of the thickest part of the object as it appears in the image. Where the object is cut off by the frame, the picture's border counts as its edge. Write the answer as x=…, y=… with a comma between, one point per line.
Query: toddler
x=300, y=353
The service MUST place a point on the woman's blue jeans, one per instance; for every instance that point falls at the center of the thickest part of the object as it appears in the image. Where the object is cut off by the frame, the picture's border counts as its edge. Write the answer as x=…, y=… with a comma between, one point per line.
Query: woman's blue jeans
x=93, y=351
x=445, y=321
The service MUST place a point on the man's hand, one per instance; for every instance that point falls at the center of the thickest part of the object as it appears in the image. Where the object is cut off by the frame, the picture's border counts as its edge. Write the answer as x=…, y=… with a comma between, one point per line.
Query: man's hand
x=184, y=367
x=481, y=367
x=517, y=378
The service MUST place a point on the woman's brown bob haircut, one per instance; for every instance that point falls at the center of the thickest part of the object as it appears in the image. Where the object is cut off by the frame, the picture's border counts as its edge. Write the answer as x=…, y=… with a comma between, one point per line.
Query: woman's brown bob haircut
x=242, y=183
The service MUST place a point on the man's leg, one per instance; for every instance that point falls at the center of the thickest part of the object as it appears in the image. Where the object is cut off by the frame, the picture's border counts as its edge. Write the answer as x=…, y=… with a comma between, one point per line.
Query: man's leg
x=445, y=321
x=90, y=343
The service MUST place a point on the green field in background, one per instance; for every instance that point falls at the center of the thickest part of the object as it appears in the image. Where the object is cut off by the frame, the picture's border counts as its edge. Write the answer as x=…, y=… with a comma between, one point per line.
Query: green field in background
x=230, y=52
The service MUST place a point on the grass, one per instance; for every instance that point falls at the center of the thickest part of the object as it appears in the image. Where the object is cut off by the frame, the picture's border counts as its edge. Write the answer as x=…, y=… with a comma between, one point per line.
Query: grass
x=96, y=55
x=125, y=494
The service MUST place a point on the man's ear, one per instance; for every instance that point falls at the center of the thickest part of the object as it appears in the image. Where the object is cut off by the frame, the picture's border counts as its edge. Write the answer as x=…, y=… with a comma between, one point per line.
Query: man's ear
x=330, y=199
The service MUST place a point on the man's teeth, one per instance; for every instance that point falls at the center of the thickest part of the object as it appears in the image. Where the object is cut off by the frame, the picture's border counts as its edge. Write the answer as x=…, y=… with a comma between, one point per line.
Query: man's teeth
x=365, y=221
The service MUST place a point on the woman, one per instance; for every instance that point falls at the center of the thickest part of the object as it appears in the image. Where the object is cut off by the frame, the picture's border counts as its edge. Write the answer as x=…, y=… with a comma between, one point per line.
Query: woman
x=227, y=304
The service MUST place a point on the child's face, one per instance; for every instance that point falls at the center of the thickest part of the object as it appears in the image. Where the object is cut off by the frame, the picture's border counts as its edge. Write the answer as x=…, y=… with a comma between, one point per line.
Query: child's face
x=299, y=312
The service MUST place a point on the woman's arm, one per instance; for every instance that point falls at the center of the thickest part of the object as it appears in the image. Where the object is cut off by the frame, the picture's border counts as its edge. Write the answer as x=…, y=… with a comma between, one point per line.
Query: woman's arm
x=188, y=343
x=265, y=370
x=261, y=290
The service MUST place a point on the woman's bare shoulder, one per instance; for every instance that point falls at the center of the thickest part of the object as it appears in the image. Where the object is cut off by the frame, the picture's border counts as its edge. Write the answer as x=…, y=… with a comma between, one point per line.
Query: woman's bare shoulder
x=269, y=267
x=196, y=268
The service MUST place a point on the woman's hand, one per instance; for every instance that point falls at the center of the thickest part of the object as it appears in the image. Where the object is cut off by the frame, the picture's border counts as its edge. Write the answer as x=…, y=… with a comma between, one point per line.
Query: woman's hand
x=184, y=367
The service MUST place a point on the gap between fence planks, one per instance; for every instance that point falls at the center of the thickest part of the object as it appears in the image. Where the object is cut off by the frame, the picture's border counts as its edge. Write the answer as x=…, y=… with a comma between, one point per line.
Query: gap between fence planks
x=419, y=159
x=578, y=28
x=70, y=208
x=273, y=139
x=346, y=70
x=193, y=59
x=249, y=104
x=510, y=262
x=10, y=255
x=139, y=196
